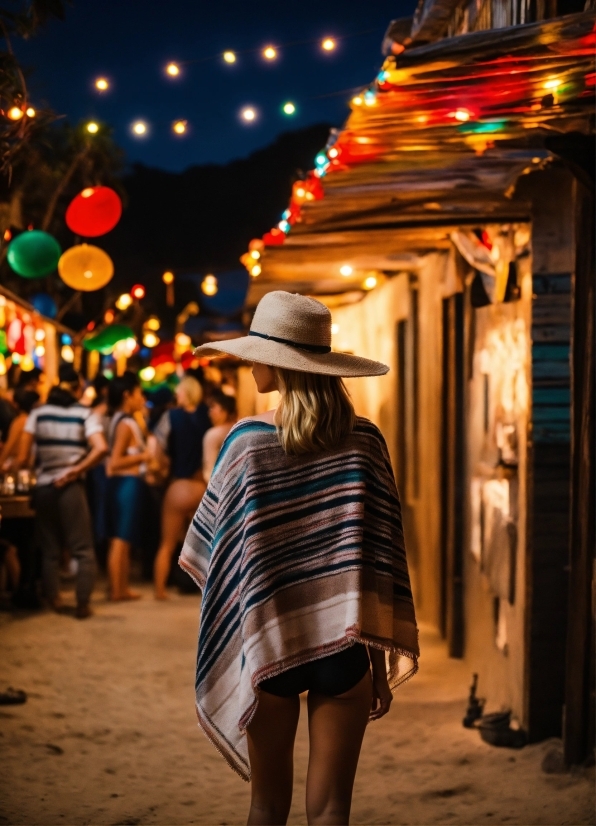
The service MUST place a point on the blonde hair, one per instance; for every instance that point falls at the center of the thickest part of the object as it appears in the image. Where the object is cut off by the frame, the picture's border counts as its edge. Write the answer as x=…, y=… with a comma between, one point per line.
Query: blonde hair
x=315, y=412
x=191, y=388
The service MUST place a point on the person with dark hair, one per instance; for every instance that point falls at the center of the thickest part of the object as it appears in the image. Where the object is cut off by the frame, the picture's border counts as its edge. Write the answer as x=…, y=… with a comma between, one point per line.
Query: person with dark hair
x=223, y=415
x=24, y=401
x=69, y=441
x=126, y=468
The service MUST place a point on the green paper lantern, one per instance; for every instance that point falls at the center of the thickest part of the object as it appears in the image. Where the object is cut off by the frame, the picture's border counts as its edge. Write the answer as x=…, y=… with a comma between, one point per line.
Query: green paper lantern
x=105, y=341
x=33, y=254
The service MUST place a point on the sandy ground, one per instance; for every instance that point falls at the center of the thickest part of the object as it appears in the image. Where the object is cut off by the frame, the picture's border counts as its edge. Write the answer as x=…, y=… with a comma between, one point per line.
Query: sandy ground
x=108, y=736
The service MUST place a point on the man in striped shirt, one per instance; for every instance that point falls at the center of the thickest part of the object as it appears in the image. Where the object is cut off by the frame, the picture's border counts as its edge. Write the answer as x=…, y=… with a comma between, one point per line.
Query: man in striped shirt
x=69, y=440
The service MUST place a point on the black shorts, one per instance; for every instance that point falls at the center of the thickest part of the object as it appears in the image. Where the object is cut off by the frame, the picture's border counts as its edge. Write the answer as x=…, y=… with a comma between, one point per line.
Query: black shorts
x=330, y=675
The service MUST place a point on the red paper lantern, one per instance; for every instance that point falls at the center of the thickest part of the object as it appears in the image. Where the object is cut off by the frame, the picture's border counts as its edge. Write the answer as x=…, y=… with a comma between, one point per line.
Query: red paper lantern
x=274, y=238
x=94, y=211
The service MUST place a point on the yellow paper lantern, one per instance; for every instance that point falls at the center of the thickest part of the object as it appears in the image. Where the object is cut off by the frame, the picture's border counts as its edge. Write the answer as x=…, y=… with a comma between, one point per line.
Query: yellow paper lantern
x=85, y=267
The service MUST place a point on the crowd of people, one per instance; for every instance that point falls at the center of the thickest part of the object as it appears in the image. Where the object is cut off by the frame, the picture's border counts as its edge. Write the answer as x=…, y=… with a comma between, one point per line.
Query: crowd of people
x=106, y=458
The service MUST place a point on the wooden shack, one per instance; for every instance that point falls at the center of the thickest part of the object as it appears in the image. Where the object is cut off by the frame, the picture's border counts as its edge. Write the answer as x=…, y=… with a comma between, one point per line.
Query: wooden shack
x=449, y=227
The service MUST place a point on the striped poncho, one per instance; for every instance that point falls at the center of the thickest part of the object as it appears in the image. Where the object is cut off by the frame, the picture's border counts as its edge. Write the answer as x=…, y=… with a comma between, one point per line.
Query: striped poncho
x=297, y=557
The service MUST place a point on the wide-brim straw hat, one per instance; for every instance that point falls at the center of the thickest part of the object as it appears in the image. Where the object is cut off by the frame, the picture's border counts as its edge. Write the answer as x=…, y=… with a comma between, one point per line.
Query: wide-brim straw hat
x=293, y=332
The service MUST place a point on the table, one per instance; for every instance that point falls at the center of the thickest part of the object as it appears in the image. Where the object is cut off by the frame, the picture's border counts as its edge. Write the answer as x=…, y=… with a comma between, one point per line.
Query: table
x=16, y=507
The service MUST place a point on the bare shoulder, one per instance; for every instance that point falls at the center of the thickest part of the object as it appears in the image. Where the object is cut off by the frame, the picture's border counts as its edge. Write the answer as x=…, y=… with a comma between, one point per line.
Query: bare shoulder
x=267, y=417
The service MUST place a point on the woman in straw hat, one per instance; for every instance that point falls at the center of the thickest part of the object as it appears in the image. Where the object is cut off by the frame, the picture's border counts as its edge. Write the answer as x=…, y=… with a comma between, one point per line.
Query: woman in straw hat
x=298, y=549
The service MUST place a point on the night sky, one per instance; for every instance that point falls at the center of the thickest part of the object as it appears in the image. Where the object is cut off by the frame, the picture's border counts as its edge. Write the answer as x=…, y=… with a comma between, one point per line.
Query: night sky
x=131, y=41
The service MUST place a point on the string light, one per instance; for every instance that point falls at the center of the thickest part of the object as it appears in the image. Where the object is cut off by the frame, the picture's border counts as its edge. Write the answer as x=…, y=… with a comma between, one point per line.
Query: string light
x=102, y=84
x=109, y=316
x=370, y=98
x=67, y=353
x=168, y=278
x=150, y=340
x=333, y=152
x=182, y=340
x=139, y=128
x=334, y=329
x=229, y=57
x=370, y=283
x=92, y=127
x=462, y=115
x=39, y=334
x=357, y=100
x=269, y=53
x=172, y=69
x=209, y=285
x=346, y=270
x=248, y=114
x=124, y=301
x=147, y=374
x=256, y=270
x=153, y=323
x=30, y=112
x=179, y=126
x=289, y=108
x=15, y=113
x=138, y=292
x=328, y=44
x=40, y=350
x=255, y=254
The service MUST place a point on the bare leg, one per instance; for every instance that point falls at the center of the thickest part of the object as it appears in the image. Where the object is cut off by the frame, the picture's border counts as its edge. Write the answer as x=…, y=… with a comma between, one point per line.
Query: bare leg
x=125, y=592
x=270, y=737
x=336, y=729
x=117, y=570
x=181, y=500
x=13, y=566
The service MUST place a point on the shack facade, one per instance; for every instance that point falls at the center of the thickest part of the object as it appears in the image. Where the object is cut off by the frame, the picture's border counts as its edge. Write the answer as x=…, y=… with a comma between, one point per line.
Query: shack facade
x=449, y=228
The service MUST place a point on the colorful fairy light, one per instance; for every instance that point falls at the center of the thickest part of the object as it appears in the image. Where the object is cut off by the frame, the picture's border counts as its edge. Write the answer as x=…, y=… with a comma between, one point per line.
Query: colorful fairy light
x=92, y=128
x=172, y=69
x=269, y=53
x=153, y=323
x=229, y=57
x=328, y=44
x=138, y=292
x=147, y=374
x=346, y=270
x=289, y=108
x=30, y=112
x=124, y=301
x=109, y=316
x=102, y=84
x=15, y=113
x=150, y=340
x=333, y=152
x=168, y=278
x=179, y=127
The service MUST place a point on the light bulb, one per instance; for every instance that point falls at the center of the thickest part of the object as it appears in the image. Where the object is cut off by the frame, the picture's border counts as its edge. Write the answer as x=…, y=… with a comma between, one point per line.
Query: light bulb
x=269, y=53
x=357, y=100
x=153, y=323
x=370, y=283
x=92, y=127
x=182, y=340
x=333, y=152
x=179, y=127
x=461, y=115
x=168, y=278
x=346, y=270
x=15, y=113
x=124, y=301
x=40, y=350
x=40, y=334
x=289, y=108
x=328, y=44
x=139, y=128
x=138, y=291
x=209, y=285
x=256, y=270
x=67, y=353
x=173, y=69
x=334, y=329
x=255, y=254
x=147, y=374
x=150, y=340
x=101, y=84
x=229, y=57
x=30, y=112
x=248, y=114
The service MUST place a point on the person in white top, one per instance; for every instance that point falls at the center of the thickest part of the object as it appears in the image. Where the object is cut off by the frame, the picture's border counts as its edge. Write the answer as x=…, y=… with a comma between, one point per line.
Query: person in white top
x=223, y=416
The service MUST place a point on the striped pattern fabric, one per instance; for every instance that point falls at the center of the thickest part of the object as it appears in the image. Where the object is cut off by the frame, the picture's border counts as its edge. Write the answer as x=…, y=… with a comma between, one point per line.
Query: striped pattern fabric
x=297, y=558
x=61, y=435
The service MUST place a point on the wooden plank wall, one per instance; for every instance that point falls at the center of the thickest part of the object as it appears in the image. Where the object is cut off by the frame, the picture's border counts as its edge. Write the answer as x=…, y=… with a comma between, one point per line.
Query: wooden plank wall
x=549, y=459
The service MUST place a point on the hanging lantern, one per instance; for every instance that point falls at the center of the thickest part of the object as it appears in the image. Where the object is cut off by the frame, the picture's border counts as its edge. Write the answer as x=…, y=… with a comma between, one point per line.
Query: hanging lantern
x=45, y=305
x=274, y=238
x=105, y=341
x=85, y=268
x=94, y=211
x=33, y=254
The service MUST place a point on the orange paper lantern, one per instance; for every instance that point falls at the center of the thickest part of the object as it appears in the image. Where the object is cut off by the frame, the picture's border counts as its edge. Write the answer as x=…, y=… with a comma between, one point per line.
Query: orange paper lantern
x=85, y=268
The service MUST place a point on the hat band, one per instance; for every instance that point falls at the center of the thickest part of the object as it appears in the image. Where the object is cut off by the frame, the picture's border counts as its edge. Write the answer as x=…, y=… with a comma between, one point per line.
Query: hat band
x=321, y=349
